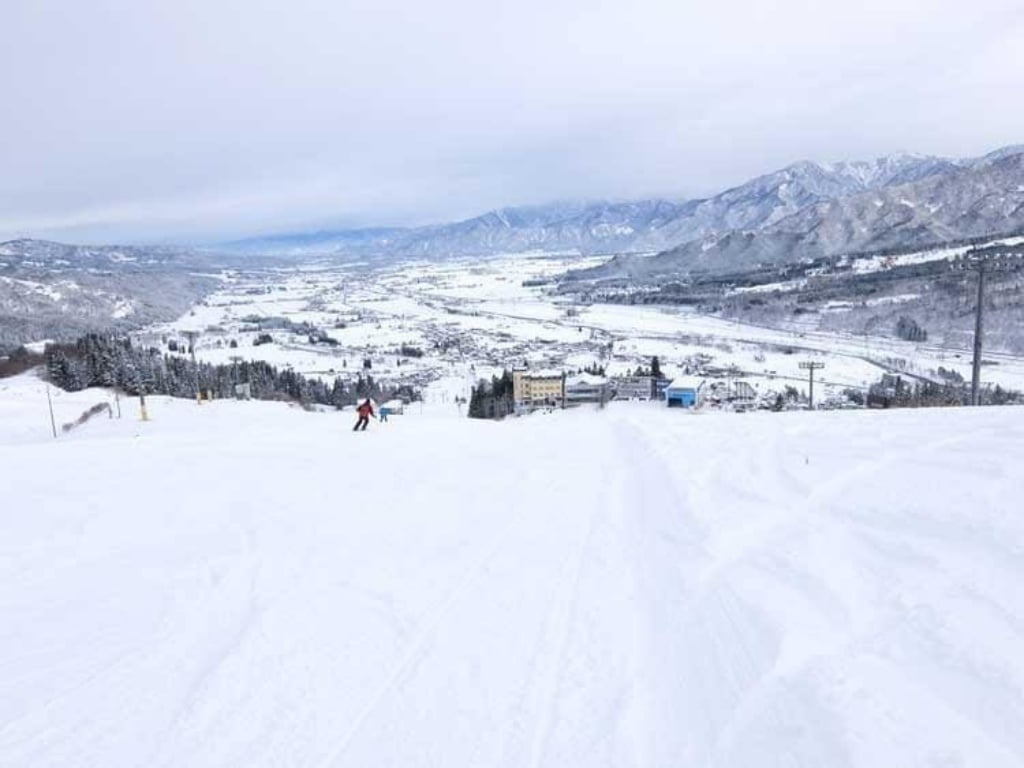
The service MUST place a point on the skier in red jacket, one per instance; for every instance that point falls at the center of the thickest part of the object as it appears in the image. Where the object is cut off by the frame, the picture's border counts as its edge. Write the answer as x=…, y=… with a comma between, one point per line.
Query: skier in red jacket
x=365, y=411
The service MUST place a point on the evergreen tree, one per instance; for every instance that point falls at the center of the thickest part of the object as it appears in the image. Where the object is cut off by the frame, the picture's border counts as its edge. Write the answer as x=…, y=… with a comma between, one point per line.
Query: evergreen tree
x=656, y=367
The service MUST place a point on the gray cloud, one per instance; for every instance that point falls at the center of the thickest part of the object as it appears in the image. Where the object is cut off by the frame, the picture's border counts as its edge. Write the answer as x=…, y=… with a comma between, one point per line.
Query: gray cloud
x=208, y=119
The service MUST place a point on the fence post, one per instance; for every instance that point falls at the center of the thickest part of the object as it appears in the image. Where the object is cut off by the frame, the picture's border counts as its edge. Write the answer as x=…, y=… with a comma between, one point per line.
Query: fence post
x=53, y=421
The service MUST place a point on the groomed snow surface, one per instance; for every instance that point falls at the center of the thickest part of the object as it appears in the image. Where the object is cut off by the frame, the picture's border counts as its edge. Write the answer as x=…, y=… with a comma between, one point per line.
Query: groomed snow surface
x=248, y=584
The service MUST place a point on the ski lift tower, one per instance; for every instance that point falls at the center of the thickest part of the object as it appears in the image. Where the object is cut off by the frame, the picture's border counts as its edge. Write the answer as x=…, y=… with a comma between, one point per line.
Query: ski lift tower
x=994, y=259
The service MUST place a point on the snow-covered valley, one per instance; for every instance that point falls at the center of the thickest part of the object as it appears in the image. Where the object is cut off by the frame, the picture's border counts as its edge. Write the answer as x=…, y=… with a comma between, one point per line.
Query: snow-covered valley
x=471, y=318
x=251, y=584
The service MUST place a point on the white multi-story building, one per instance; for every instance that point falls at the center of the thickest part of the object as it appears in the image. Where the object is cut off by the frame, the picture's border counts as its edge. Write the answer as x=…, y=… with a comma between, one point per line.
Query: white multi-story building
x=586, y=388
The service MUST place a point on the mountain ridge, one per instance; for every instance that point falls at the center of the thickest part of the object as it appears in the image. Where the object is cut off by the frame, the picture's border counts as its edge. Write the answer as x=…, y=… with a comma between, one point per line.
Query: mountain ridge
x=617, y=226
x=806, y=209
x=970, y=200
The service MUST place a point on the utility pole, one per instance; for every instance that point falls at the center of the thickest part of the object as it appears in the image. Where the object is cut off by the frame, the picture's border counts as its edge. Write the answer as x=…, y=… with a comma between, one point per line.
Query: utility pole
x=982, y=261
x=811, y=366
x=979, y=316
x=192, y=336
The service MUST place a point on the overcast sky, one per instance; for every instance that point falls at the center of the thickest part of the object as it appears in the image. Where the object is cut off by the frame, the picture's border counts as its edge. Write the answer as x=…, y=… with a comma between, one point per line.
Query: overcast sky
x=179, y=120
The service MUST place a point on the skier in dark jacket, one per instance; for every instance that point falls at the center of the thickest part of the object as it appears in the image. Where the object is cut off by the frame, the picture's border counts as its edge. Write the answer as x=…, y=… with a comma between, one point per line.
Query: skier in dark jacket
x=365, y=411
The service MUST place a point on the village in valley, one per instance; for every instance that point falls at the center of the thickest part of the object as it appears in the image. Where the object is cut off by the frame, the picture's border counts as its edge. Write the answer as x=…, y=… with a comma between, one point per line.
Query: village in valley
x=494, y=337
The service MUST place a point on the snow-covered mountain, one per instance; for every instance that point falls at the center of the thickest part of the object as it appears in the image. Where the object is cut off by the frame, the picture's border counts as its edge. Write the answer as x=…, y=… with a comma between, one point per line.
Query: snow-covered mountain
x=922, y=205
x=28, y=254
x=586, y=227
x=580, y=226
x=54, y=290
x=618, y=227
x=301, y=244
x=770, y=198
x=651, y=225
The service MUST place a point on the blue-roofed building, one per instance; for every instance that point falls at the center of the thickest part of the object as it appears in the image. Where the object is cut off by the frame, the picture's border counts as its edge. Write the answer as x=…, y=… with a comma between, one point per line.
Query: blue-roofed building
x=685, y=392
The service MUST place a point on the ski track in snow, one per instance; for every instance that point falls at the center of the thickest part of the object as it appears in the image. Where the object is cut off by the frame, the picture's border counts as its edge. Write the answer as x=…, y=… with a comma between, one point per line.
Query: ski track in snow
x=415, y=647
x=246, y=584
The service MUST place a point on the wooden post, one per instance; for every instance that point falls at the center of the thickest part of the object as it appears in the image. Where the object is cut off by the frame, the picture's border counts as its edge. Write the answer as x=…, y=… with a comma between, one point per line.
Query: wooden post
x=53, y=421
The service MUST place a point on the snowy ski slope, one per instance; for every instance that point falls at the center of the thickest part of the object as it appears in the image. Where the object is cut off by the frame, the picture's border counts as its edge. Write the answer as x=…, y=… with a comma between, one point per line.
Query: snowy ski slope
x=248, y=584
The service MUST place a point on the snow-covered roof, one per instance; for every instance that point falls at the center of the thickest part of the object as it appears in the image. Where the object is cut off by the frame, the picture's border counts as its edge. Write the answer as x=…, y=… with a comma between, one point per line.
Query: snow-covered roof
x=543, y=373
x=38, y=346
x=586, y=379
x=687, y=382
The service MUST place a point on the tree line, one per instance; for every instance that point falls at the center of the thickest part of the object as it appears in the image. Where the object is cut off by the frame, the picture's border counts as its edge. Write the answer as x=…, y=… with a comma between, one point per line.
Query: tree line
x=897, y=392
x=99, y=360
x=493, y=399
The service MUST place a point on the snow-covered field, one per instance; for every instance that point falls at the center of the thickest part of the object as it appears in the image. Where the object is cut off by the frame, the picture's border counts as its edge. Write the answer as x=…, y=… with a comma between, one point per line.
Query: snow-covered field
x=249, y=584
